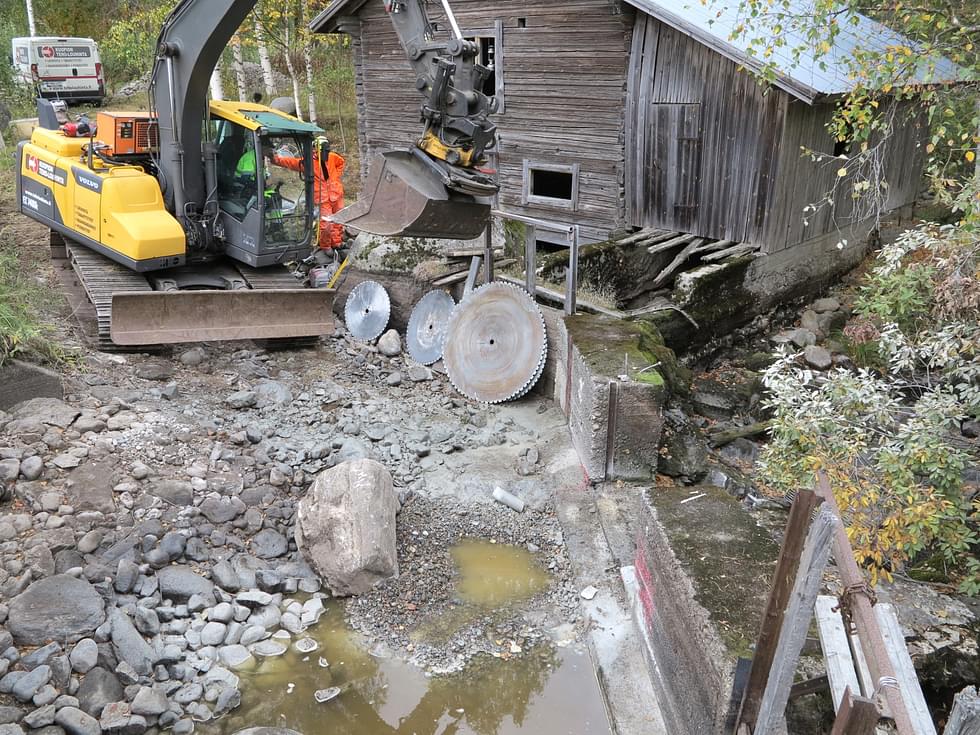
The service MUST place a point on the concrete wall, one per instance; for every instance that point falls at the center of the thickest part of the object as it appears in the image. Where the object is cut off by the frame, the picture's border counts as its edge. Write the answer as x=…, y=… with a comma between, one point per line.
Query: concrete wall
x=614, y=420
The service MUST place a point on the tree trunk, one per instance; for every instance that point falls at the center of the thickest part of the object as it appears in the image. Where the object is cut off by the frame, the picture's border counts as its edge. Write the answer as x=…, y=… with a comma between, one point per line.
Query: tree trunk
x=239, y=64
x=291, y=68
x=30, y=18
x=307, y=61
x=268, y=77
x=217, y=88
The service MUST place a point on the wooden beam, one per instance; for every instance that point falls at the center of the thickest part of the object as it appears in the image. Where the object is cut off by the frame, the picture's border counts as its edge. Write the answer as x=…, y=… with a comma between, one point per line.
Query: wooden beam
x=965, y=717
x=708, y=247
x=810, y=686
x=731, y=252
x=836, y=649
x=863, y=615
x=677, y=262
x=721, y=438
x=908, y=680
x=639, y=236
x=674, y=242
x=799, y=612
x=856, y=716
x=784, y=577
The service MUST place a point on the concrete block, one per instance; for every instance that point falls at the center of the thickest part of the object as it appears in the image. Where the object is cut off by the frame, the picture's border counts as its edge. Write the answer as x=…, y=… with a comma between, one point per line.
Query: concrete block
x=612, y=395
x=22, y=381
x=700, y=580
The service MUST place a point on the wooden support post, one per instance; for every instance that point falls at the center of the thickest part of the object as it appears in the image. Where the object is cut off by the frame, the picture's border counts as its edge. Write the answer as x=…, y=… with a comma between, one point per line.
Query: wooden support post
x=772, y=621
x=858, y=596
x=856, y=716
x=796, y=623
x=965, y=717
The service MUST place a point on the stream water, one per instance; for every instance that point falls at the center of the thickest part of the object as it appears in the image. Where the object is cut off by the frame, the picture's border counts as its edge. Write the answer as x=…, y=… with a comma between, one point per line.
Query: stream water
x=546, y=691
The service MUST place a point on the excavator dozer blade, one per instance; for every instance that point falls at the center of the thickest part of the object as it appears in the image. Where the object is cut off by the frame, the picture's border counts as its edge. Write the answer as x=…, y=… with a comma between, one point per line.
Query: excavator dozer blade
x=405, y=197
x=169, y=317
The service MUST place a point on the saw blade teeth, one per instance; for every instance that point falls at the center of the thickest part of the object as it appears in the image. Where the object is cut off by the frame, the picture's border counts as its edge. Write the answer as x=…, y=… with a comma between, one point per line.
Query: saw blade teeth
x=428, y=326
x=367, y=311
x=516, y=313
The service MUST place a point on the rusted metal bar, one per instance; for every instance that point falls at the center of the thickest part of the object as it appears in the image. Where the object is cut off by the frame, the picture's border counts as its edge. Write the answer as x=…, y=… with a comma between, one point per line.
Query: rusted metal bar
x=783, y=580
x=858, y=598
x=856, y=716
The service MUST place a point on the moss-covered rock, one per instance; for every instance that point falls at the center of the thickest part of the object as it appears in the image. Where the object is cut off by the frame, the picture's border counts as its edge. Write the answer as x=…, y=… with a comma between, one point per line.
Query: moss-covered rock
x=633, y=348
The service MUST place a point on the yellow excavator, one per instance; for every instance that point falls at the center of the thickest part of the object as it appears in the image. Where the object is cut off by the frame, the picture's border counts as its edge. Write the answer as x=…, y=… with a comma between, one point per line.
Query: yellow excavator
x=178, y=222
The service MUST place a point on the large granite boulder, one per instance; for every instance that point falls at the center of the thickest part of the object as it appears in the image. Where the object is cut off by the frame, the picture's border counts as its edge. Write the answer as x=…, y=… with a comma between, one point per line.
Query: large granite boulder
x=345, y=526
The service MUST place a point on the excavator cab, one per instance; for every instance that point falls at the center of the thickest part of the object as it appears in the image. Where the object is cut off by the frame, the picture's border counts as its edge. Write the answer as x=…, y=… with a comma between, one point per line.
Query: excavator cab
x=265, y=184
x=410, y=194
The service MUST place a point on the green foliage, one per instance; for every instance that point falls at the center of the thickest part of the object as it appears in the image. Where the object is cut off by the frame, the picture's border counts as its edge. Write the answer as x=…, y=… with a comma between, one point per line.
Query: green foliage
x=889, y=439
x=912, y=70
x=127, y=49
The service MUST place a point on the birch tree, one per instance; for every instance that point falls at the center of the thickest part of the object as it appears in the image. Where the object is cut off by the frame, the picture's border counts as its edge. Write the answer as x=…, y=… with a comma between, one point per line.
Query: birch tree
x=217, y=88
x=238, y=63
x=268, y=76
x=304, y=32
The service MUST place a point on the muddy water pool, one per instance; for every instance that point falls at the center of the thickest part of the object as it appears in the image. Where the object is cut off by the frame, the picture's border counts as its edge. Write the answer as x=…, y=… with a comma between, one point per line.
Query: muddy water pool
x=547, y=690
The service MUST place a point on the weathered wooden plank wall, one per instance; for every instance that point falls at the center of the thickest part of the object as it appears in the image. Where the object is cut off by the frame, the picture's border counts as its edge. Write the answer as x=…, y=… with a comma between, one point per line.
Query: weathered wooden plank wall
x=803, y=182
x=564, y=67
x=727, y=162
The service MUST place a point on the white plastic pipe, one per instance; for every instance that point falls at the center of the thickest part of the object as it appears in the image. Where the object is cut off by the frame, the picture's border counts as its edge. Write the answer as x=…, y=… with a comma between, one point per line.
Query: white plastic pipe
x=511, y=501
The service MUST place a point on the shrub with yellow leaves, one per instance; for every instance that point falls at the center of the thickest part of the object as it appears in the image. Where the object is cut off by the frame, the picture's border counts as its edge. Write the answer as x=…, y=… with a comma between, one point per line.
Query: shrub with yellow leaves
x=889, y=437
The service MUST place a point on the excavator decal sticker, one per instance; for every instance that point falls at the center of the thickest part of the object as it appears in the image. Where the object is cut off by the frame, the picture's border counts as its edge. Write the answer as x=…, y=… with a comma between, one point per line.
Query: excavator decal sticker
x=42, y=168
x=36, y=198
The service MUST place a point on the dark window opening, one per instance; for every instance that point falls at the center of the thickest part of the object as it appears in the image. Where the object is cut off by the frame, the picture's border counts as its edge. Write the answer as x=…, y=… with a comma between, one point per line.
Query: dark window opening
x=548, y=247
x=488, y=58
x=552, y=184
x=522, y=22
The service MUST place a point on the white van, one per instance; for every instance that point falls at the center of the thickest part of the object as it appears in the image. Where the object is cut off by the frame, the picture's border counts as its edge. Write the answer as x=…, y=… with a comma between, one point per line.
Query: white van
x=60, y=68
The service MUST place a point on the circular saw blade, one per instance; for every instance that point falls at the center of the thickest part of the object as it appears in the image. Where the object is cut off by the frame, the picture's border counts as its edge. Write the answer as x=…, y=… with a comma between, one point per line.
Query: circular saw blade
x=367, y=310
x=496, y=344
x=428, y=325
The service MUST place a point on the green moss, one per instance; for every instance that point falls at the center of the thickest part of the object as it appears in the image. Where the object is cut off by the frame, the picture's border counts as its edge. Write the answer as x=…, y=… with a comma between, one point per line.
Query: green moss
x=651, y=376
x=727, y=555
x=715, y=297
x=616, y=347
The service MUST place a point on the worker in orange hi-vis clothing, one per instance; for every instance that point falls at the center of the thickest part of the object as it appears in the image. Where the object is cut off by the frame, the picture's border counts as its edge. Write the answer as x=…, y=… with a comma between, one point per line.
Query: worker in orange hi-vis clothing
x=328, y=188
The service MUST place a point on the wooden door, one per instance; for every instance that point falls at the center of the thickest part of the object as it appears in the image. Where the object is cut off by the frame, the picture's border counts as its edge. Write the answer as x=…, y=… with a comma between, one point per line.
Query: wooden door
x=668, y=178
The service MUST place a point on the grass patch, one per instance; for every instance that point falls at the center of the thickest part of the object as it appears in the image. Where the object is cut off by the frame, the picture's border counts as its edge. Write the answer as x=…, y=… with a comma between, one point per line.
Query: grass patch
x=23, y=333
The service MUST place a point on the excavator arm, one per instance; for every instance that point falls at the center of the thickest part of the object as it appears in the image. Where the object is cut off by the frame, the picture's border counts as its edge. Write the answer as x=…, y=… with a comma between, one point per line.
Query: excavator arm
x=435, y=189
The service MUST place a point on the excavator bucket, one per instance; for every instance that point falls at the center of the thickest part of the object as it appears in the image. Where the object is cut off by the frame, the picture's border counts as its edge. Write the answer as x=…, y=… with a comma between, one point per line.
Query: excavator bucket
x=169, y=317
x=407, y=197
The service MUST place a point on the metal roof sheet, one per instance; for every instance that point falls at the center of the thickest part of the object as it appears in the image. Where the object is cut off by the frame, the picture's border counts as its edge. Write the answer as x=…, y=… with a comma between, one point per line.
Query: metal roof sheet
x=809, y=76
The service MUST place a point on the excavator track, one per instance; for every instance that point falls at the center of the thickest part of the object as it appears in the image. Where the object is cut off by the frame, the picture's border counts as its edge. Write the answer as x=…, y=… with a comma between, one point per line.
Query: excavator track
x=101, y=278
x=90, y=281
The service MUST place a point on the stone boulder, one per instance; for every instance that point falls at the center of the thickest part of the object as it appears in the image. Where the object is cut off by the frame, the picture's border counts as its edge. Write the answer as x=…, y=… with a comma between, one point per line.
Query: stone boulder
x=59, y=608
x=345, y=526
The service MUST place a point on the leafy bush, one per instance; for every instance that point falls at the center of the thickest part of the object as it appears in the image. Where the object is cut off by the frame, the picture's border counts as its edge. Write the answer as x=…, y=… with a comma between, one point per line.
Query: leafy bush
x=889, y=439
x=127, y=49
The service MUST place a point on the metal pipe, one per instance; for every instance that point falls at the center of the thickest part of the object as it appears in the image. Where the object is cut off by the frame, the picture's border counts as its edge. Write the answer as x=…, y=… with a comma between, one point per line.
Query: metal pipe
x=488, y=254
x=452, y=20
x=571, y=277
x=530, y=261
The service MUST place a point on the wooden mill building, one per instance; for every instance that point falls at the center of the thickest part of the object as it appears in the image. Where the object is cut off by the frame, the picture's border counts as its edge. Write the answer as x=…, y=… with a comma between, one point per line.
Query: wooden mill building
x=624, y=114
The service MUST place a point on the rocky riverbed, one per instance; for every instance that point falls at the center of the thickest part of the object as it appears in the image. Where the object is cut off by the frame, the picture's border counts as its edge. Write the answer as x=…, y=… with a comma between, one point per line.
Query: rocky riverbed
x=147, y=552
